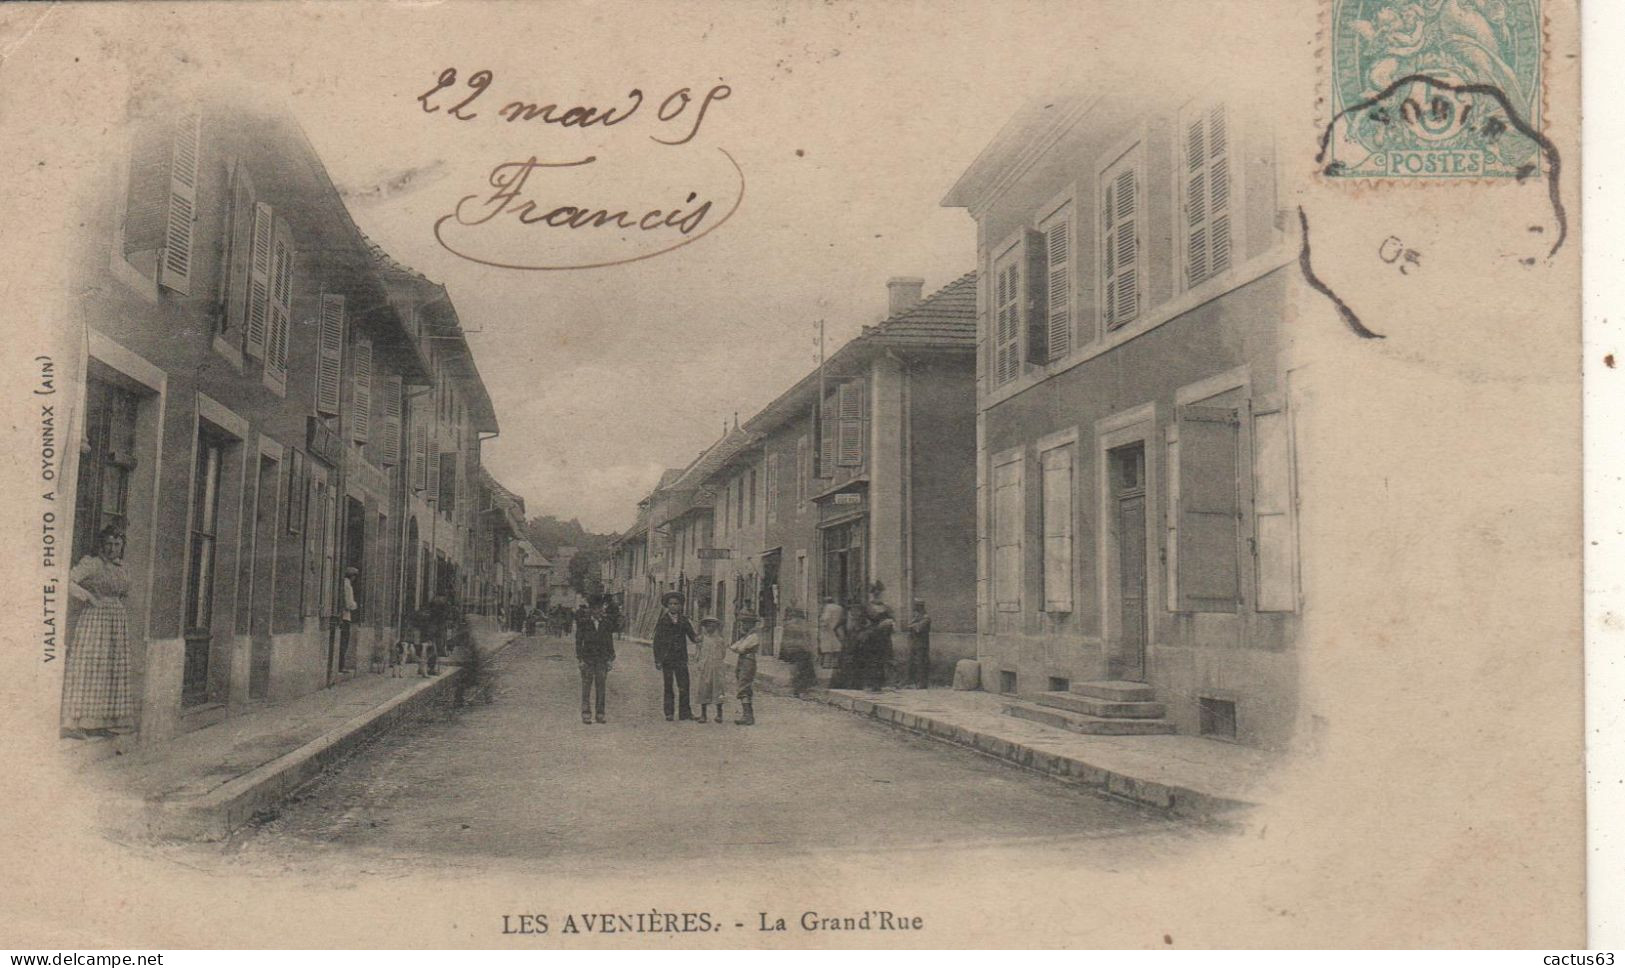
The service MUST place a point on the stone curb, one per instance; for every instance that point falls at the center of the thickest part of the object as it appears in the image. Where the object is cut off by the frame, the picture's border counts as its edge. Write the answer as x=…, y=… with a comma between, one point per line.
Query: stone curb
x=1177, y=800
x=216, y=814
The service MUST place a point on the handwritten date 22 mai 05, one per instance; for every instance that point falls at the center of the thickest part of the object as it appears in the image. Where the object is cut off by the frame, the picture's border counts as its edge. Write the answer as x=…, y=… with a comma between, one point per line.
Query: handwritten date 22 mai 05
x=673, y=109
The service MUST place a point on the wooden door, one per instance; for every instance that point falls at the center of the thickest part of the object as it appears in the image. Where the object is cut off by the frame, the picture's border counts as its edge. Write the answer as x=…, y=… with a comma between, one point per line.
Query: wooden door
x=1132, y=585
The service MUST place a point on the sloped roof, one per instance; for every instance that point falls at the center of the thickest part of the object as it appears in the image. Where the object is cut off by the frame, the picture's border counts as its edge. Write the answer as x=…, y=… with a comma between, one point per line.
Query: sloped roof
x=942, y=321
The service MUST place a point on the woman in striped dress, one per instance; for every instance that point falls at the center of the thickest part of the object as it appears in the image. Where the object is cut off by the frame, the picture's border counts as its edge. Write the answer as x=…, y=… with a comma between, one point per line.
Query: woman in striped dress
x=96, y=682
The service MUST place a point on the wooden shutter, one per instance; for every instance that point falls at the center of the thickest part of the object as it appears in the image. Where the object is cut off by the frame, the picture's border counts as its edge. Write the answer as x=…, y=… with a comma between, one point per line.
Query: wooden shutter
x=176, y=271
x=1007, y=311
x=1207, y=194
x=1120, y=243
x=826, y=433
x=259, y=280
x=390, y=453
x=420, y=452
x=242, y=250
x=433, y=482
x=1275, y=551
x=1007, y=534
x=330, y=354
x=1057, y=242
x=1209, y=509
x=849, y=443
x=803, y=468
x=1058, y=504
x=1037, y=299
x=361, y=399
x=281, y=314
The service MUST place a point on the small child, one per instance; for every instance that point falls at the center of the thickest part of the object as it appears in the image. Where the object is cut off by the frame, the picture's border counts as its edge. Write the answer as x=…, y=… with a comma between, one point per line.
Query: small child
x=710, y=683
x=745, y=647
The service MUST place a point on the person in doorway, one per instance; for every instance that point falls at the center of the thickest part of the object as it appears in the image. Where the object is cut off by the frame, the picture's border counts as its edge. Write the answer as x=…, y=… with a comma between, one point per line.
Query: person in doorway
x=746, y=647
x=919, y=647
x=347, y=614
x=96, y=698
x=710, y=684
x=673, y=632
x=595, y=654
x=849, y=662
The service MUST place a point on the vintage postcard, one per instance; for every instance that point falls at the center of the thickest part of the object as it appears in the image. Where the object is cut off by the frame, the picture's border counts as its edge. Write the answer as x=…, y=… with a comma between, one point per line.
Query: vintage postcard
x=793, y=475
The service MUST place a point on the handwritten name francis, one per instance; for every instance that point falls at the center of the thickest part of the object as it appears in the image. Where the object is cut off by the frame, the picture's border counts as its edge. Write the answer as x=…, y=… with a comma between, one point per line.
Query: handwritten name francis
x=637, y=231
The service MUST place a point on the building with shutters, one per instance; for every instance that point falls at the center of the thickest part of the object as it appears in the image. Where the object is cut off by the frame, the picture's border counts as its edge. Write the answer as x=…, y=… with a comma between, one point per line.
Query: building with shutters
x=251, y=372
x=1135, y=497
x=863, y=471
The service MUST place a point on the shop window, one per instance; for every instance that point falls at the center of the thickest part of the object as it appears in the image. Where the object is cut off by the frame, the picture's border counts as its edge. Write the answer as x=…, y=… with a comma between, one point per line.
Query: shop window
x=202, y=552
x=106, y=462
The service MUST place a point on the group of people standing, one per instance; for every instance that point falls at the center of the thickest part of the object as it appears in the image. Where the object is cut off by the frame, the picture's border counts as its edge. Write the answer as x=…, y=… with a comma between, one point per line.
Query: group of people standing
x=595, y=629
x=858, y=643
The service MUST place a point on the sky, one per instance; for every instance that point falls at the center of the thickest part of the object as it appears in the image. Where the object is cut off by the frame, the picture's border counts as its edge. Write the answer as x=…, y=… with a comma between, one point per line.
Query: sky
x=848, y=124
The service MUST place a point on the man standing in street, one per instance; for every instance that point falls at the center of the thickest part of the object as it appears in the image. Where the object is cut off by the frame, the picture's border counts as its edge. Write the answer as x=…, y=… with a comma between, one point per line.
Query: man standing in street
x=919, y=647
x=595, y=653
x=673, y=632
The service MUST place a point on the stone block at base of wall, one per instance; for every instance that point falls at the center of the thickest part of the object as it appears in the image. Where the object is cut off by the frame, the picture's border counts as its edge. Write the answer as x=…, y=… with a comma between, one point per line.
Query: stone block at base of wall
x=967, y=675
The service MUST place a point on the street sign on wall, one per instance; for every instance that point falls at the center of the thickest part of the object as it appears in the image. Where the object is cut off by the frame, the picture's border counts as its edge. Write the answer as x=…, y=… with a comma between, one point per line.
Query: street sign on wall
x=710, y=553
x=849, y=497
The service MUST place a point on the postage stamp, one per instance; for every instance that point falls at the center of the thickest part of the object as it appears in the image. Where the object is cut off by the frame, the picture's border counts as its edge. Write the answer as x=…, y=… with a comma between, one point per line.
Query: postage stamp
x=1428, y=89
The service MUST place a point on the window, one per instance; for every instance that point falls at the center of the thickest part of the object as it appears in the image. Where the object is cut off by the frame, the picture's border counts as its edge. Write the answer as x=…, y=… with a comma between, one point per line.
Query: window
x=1121, y=272
x=1007, y=533
x=201, y=553
x=239, y=250
x=278, y=316
x=390, y=423
x=1206, y=199
x=1056, y=242
x=1058, y=503
x=1007, y=317
x=161, y=204
x=1274, y=536
x=105, y=464
x=751, y=500
x=1208, y=571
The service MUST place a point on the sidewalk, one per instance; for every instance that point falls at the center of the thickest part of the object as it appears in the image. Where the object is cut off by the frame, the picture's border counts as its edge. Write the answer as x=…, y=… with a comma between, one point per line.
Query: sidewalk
x=1185, y=775
x=204, y=784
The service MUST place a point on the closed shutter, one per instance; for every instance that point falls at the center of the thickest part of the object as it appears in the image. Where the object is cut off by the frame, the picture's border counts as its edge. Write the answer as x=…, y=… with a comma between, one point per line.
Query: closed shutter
x=433, y=483
x=276, y=348
x=1007, y=321
x=182, y=215
x=1120, y=242
x=448, y=480
x=390, y=452
x=803, y=468
x=849, y=452
x=1209, y=509
x=1007, y=534
x=361, y=401
x=330, y=358
x=826, y=433
x=420, y=453
x=771, y=483
x=242, y=251
x=1057, y=242
x=1207, y=194
x=1037, y=302
x=1275, y=543
x=259, y=280
x=1058, y=504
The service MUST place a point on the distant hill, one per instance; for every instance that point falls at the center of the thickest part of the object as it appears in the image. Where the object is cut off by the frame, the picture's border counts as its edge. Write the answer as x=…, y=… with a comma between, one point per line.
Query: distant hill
x=549, y=534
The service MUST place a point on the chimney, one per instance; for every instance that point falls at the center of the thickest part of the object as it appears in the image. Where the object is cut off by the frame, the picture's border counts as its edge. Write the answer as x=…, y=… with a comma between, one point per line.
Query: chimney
x=904, y=293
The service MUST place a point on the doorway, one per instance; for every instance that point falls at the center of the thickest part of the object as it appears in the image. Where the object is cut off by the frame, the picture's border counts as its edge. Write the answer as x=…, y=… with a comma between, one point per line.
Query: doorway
x=262, y=578
x=1126, y=470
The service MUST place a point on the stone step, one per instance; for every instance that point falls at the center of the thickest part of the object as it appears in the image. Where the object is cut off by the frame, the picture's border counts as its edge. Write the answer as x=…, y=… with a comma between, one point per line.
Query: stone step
x=1115, y=690
x=1103, y=708
x=1091, y=725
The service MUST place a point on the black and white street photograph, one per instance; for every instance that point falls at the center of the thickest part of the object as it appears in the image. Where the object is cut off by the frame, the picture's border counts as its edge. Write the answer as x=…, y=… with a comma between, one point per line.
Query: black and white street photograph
x=794, y=475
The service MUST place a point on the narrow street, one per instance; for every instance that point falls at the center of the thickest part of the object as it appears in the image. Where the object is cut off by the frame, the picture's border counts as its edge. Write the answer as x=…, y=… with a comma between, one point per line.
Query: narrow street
x=523, y=781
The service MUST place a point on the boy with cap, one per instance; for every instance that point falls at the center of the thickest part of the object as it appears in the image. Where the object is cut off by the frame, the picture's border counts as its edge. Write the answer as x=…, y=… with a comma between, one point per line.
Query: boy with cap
x=745, y=648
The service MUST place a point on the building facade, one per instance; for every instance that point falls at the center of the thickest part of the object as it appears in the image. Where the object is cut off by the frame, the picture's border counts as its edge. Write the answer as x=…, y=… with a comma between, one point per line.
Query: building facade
x=1136, y=508
x=246, y=374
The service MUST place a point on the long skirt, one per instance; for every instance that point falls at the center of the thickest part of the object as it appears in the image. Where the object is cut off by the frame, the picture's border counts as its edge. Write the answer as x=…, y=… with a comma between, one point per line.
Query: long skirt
x=710, y=680
x=96, y=680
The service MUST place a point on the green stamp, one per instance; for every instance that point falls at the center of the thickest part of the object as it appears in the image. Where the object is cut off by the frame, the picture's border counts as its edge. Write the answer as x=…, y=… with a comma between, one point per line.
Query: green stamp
x=1434, y=89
